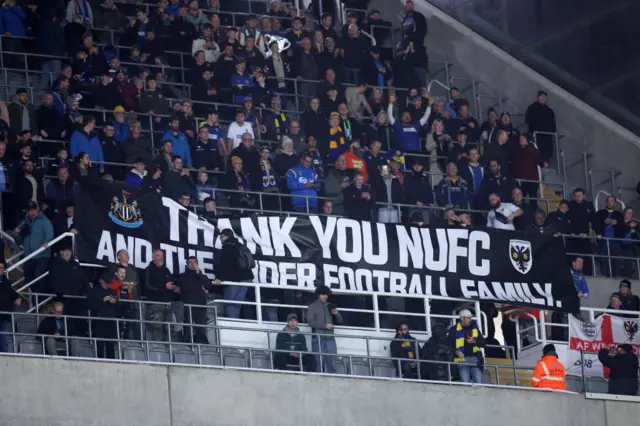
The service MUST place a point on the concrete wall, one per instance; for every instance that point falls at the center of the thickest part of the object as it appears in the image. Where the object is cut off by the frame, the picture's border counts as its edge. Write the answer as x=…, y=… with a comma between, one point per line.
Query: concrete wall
x=499, y=74
x=39, y=392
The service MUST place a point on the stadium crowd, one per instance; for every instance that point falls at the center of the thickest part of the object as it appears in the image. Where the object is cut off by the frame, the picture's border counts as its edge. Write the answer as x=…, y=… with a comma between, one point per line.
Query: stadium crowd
x=233, y=112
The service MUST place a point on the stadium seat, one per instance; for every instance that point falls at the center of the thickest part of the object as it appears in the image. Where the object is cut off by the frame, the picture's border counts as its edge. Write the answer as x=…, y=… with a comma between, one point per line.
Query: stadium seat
x=597, y=385
x=359, y=367
x=159, y=353
x=27, y=324
x=210, y=357
x=86, y=349
x=383, y=368
x=261, y=360
x=234, y=358
x=340, y=366
x=574, y=384
x=133, y=352
x=31, y=346
x=184, y=355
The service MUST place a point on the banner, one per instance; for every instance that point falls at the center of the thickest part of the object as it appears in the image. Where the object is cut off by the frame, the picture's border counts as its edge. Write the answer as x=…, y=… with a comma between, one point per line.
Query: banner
x=605, y=331
x=486, y=265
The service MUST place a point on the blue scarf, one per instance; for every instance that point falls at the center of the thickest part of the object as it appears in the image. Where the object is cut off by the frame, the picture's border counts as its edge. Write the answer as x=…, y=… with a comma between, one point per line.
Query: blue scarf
x=80, y=7
x=380, y=75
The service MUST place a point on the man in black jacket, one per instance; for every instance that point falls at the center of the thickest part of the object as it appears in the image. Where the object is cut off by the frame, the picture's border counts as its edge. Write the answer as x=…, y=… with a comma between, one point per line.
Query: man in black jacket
x=418, y=189
x=69, y=283
x=609, y=223
x=103, y=303
x=541, y=118
x=159, y=286
x=9, y=300
x=630, y=302
x=623, y=378
x=560, y=219
x=194, y=286
x=177, y=181
x=581, y=213
x=358, y=199
x=290, y=339
x=496, y=183
x=405, y=346
x=228, y=269
x=57, y=327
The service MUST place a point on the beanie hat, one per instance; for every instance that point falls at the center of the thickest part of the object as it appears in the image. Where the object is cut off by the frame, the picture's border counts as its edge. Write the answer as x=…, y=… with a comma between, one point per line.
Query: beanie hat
x=548, y=349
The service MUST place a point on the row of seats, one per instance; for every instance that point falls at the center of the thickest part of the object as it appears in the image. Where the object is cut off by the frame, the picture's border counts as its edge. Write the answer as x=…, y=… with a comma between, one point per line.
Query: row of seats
x=227, y=357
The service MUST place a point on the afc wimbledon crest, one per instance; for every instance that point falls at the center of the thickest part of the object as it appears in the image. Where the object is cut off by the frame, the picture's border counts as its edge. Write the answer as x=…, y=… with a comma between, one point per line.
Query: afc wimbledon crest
x=520, y=255
x=125, y=213
x=631, y=328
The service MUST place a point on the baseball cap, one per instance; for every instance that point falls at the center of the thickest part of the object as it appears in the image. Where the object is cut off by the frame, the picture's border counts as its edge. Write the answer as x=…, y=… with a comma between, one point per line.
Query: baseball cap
x=465, y=313
x=625, y=283
x=291, y=316
x=119, y=108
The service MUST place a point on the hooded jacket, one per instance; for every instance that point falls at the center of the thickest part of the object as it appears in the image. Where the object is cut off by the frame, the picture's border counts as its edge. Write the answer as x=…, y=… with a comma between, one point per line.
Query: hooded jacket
x=83, y=142
x=180, y=145
x=134, y=177
x=227, y=269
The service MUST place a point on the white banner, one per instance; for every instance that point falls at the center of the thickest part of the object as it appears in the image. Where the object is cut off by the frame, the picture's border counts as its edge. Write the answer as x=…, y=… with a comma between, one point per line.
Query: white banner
x=606, y=330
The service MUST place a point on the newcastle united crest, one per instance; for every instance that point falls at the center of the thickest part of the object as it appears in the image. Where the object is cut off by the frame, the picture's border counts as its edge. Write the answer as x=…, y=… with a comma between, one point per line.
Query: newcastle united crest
x=124, y=212
x=520, y=255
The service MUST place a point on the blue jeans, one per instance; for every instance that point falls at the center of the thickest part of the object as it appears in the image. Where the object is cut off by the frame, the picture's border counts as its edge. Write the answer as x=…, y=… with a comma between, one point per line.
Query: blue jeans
x=469, y=374
x=5, y=327
x=50, y=71
x=327, y=346
x=238, y=294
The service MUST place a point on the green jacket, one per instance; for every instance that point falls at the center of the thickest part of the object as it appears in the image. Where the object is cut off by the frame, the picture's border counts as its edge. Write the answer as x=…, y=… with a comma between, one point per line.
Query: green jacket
x=287, y=341
x=40, y=231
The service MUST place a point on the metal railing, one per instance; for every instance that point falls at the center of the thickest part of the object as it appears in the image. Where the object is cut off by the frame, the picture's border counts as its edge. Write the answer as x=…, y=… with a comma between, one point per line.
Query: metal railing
x=369, y=361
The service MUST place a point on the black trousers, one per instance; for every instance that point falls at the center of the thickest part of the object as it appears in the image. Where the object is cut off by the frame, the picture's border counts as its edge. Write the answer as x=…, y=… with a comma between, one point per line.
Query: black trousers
x=198, y=334
x=284, y=361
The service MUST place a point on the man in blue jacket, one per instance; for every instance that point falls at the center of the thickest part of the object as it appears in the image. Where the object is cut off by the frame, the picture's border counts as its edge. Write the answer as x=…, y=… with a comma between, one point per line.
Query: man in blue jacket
x=407, y=133
x=179, y=141
x=303, y=180
x=35, y=232
x=84, y=140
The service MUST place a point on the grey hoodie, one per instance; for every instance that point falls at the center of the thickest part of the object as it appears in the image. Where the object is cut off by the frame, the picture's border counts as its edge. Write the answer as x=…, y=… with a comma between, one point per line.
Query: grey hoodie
x=318, y=316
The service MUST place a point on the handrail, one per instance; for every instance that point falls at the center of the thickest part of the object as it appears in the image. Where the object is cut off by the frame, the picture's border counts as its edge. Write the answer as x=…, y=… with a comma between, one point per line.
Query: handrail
x=38, y=251
x=607, y=195
x=439, y=83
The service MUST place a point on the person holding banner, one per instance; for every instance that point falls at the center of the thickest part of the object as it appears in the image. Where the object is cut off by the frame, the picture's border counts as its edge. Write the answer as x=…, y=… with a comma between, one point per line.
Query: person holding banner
x=623, y=365
x=549, y=372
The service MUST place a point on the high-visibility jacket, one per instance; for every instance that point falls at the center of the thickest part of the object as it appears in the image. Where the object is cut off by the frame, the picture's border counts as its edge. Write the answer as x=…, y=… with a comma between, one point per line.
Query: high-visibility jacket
x=549, y=374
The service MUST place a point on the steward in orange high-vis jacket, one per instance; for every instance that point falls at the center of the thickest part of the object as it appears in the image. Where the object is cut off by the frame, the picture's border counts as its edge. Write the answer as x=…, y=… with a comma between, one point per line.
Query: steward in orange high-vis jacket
x=549, y=372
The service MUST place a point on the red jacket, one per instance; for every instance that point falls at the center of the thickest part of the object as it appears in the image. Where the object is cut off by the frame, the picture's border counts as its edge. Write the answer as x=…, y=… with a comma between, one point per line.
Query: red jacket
x=525, y=162
x=115, y=285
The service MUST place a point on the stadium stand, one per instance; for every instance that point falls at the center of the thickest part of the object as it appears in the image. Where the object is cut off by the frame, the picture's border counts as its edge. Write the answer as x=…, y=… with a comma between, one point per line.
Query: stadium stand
x=238, y=110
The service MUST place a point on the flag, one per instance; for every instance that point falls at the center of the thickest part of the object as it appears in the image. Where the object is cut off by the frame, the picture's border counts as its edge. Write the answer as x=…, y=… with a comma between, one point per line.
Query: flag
x=603, y=332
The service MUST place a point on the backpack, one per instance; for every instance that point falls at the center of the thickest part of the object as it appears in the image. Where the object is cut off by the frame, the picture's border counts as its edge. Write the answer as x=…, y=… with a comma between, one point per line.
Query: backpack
x=245, y=258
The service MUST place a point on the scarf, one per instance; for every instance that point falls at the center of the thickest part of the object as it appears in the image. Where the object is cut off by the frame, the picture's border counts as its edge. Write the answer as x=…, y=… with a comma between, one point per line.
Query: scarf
x=460, y=339
x=242, y=182
x=80, y=7
x=268, y=177
x=346, y=124
x=280, y=120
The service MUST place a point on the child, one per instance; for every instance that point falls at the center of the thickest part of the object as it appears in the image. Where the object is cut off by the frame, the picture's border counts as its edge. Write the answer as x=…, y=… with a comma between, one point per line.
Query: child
x=61, y=162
